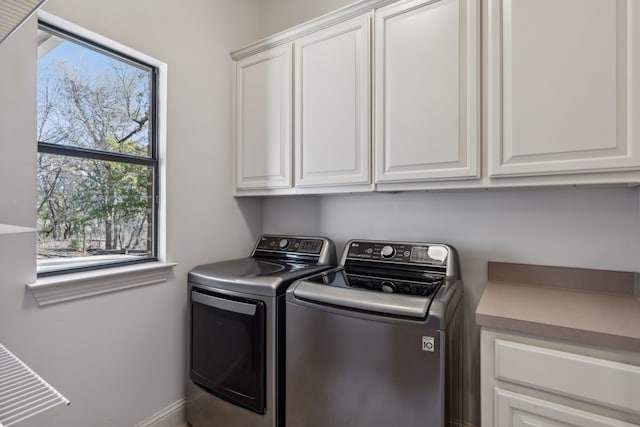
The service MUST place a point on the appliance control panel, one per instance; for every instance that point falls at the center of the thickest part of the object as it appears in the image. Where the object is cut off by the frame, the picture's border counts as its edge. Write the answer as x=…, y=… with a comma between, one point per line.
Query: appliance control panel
x=290, y=244
x=401, y=252
x=389, y=285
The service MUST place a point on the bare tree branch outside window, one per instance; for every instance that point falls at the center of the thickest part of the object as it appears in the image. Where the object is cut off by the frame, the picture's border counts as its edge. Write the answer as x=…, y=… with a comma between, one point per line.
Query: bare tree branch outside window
x=91, y=204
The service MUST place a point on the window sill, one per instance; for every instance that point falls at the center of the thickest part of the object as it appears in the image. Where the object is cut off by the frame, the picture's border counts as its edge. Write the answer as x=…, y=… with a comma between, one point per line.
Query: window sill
x=13, y=229
x=67, y=287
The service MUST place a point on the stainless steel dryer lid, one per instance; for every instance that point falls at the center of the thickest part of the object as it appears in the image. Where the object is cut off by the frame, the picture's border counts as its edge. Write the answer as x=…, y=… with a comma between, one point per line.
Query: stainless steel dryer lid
x=275, y=262
x=252, y=276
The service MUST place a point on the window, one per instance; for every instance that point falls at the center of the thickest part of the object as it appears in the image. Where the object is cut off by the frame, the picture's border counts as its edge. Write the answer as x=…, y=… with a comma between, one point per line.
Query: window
x=97, y=165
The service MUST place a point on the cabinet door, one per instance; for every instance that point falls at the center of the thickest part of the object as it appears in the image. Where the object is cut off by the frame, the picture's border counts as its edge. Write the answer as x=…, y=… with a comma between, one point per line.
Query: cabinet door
x=564, y=86
x=426, y=90
x=518, y=410
x=332, y=85
x=263, y=120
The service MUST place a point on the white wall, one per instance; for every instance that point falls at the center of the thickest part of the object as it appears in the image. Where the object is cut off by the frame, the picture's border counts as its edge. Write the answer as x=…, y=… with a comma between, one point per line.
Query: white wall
x=591, y=228
x=121, y=357
x=278, y=15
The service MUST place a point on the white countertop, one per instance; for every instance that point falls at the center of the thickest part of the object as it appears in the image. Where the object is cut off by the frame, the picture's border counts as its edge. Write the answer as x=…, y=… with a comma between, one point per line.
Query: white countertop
x=574, y=312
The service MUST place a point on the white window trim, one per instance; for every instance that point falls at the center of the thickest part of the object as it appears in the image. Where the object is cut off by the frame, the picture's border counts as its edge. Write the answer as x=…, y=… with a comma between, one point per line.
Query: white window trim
x=67, y=287
x=14, y=229
x=70, y=286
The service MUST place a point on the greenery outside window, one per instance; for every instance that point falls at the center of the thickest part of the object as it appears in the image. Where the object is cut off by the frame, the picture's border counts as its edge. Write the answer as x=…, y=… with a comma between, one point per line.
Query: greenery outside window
x=97, y=166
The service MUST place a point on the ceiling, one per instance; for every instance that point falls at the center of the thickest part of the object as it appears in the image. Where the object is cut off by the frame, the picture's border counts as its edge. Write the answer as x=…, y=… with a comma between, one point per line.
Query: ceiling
x=13, y=13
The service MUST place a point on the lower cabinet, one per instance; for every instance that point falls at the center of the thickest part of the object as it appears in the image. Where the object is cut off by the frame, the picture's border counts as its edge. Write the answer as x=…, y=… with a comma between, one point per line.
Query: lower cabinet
x=528, y=381
x=514, y=409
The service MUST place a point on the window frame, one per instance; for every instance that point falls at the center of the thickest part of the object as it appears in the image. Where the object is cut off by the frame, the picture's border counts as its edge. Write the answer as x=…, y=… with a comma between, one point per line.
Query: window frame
x=104, y=46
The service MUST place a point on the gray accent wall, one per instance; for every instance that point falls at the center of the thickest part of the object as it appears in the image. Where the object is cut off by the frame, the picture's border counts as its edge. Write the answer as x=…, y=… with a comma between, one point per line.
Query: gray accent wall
x=589, y=228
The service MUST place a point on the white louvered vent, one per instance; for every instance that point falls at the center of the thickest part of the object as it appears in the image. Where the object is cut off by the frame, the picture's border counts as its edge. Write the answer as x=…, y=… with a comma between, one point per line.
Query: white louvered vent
x=15, y=12
x=22, y=392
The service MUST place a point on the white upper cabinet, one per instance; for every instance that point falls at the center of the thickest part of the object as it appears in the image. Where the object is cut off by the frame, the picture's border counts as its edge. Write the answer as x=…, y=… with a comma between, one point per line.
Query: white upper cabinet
x=426, y=91
x=564, y=86
x=332, y=114
x=384, y=95
x=263, y=120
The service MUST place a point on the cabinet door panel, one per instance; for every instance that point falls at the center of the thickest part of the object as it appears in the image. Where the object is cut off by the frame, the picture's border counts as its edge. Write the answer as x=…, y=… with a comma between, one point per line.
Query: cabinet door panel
x=518, y=410
x=426, y=90
x=332, y=138
x=562, y=74
x=591, y=379
x=263, y=120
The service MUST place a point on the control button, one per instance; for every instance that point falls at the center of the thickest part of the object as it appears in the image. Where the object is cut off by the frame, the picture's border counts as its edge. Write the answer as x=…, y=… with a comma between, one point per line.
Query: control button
x=387, y=252
x=407, y=253
x=388, y=287
x=369, y=251
x=283, y=243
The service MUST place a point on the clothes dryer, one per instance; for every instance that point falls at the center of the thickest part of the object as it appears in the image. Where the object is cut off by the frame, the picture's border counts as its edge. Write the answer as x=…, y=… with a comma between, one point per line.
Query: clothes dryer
x=237, y=320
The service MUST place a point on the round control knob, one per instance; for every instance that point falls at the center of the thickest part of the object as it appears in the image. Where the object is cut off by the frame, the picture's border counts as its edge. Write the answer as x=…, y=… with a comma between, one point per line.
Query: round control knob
x=388, y=287
x=387, y=252
x=283, y=243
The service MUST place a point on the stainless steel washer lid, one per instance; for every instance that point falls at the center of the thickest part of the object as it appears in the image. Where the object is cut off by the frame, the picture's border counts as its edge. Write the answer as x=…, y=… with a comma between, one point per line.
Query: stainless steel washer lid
x=328, y=289
x=404, y=280
x=358, y=299
x=252, y=276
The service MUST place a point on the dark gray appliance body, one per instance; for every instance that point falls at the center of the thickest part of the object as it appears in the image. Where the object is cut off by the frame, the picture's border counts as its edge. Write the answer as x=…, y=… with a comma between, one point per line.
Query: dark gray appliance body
x=377, y=342
x=229, y=300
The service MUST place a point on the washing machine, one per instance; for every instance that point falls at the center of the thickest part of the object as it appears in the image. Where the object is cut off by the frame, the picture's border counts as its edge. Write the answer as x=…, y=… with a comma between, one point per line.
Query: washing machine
x=377, y=342
x=237, y=321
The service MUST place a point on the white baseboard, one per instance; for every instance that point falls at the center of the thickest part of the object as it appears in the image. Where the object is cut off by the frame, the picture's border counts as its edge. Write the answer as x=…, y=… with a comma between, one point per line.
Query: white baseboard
x=174, y=415
x=171, y=416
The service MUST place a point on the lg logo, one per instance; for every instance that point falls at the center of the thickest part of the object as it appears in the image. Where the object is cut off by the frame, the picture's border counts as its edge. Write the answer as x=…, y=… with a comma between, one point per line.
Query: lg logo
x=428, y=344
